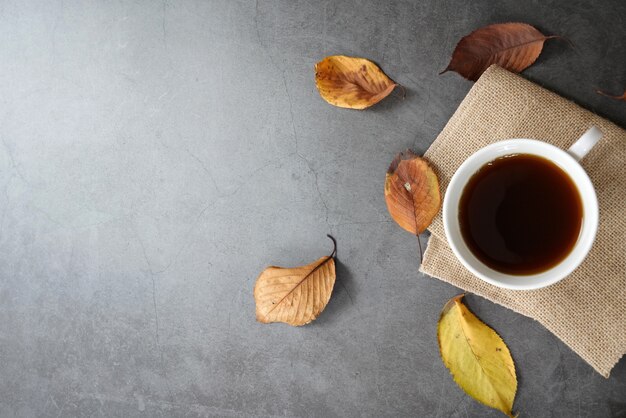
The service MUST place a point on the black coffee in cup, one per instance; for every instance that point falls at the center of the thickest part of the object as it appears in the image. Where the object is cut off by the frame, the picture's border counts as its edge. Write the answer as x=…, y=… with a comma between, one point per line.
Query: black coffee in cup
x=520, y=214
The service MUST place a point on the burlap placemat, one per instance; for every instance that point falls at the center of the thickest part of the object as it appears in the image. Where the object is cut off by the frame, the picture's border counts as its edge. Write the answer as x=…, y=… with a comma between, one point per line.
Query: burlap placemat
x=586, y=310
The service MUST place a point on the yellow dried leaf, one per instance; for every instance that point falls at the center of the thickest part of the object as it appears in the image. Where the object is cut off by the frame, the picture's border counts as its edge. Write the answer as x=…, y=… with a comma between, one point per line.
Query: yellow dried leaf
x=295, y=295
x=480, y=362
x=412, y=192
x=354, y=83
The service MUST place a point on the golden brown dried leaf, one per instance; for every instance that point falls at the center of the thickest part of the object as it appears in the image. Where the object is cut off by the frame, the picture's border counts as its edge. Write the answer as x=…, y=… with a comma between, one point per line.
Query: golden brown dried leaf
x=354, y=83
x=603, y=93
x=514, y=46
x=412, y=192
x=295, y=295
x=480, y=362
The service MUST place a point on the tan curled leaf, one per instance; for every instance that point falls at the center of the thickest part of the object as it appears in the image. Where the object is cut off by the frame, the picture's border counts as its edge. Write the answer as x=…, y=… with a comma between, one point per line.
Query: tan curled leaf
x=354, y=83
x=603, y=93
x=295, y=295
x=514, y=46
x=480, y=362
x=412, y=192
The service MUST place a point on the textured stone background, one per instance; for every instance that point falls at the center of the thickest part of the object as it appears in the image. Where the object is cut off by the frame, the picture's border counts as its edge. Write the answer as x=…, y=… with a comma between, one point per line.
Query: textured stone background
x=156, y=156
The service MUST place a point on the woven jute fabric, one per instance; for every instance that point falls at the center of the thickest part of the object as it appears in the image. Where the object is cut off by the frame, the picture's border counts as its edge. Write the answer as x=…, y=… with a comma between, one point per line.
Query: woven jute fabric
x=587, y=309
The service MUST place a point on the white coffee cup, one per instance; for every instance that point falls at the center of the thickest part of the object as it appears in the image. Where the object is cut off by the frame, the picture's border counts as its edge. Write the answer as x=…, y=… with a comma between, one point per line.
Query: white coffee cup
x=568, y=161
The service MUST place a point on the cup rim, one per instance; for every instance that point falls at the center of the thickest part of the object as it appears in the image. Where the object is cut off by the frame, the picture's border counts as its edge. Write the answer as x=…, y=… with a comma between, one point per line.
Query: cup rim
x=548, y=151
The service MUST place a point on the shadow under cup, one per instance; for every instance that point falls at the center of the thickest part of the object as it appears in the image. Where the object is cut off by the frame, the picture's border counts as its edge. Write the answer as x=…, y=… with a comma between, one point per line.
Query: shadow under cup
x=520, y=214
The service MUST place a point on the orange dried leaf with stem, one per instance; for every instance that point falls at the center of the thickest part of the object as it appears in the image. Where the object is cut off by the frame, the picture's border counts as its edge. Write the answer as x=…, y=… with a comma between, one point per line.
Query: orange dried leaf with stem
x=295, y=295
x=351, y=82
x=412, y=193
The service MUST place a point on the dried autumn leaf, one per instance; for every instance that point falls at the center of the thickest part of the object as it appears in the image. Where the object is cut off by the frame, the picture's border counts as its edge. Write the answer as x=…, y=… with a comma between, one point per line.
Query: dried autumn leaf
x=480, y=362
x=603, y=93
x=412, y=192
x=514, y=46
x=295, y=295
x=354, y=83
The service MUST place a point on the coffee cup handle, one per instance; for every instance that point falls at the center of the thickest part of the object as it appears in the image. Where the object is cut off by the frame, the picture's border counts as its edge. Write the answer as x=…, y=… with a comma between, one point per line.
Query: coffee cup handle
x=583, y=145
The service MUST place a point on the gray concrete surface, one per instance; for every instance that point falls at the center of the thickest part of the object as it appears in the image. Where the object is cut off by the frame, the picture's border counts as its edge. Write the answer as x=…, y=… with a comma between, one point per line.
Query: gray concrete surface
x=156, y=156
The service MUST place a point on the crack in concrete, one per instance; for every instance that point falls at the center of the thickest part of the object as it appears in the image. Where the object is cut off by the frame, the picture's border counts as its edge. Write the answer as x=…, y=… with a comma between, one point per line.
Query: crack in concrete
x=302, y=157
x=221, y=197
x=5, y=208
x=362, y=223
x=10, y=154
x=186, y=239
x=205, y=169
x=256, y=22
x=317, y=188
x=293, y=125
x=156, y=312
x=171, y=406
x=163, y=18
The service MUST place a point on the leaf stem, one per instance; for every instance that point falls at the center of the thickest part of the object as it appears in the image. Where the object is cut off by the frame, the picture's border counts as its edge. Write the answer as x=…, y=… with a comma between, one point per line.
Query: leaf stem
x=334, y=253
x=562, y=38
x=604, y=93
x=403, y=91
x=419, y=244
x=308, y=274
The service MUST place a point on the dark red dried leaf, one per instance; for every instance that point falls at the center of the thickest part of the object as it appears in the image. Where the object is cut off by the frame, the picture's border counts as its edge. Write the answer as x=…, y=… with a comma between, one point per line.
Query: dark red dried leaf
x=514, y=46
